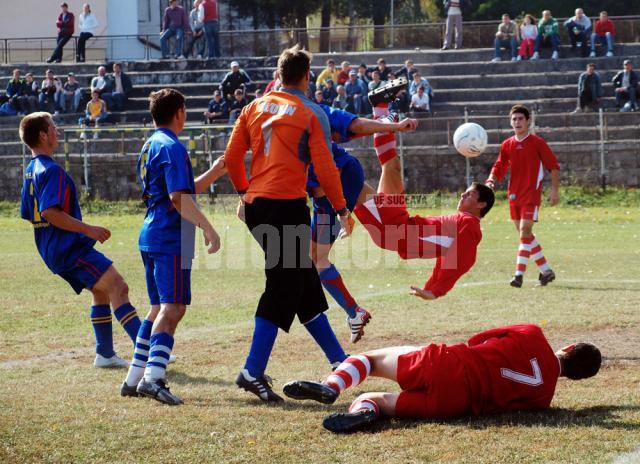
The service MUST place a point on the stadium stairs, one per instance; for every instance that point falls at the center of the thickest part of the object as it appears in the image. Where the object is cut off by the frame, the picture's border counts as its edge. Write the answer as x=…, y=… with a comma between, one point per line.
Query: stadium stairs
x=464, y=81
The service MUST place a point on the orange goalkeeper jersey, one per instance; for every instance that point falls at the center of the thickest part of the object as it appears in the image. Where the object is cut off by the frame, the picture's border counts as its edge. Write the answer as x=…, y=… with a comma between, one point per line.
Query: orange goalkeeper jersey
x=285, y=132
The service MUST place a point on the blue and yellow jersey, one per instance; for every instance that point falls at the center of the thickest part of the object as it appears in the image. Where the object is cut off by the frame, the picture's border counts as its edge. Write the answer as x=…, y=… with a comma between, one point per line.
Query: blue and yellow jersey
x=47, y=185
x=164, y=167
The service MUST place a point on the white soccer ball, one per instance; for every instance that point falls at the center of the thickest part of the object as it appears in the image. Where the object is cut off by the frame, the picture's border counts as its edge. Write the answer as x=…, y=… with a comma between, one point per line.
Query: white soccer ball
x=470, y=139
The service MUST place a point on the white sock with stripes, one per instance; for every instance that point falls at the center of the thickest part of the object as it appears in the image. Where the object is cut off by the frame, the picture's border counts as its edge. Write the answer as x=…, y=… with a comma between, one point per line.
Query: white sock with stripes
x=364, y=405
x=350, y=373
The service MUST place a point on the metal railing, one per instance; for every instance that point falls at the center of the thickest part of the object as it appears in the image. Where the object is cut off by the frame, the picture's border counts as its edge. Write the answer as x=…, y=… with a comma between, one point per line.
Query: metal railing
x=269, y=42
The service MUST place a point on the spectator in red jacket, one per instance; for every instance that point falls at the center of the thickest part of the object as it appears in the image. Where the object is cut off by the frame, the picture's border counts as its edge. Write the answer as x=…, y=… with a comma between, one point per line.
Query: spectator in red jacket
x=603, y=32
x=343, y=75
x=65, y=26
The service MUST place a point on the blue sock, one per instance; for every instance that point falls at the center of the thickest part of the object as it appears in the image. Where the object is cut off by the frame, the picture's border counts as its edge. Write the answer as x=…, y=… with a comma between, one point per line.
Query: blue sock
x=332, y=283
x=140, y=354
x=323, y=334
x=159, y=351
x=101, y=321
x=264, y=337
x=128, y=318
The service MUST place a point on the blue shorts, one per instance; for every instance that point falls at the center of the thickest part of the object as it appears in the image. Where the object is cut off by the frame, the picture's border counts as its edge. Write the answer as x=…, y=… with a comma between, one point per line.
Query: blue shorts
x=87, y=270
x=168, y=278
x=325, y=226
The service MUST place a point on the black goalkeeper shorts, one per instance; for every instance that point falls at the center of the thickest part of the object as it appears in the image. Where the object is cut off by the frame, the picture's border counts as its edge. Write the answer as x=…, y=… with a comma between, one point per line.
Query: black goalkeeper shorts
x=293, y=287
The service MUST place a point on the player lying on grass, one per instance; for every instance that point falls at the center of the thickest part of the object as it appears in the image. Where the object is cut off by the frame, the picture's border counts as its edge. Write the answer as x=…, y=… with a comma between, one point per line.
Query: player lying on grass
x=50, y=202
x=527, y=156
x=452, y=239
x=501, y=370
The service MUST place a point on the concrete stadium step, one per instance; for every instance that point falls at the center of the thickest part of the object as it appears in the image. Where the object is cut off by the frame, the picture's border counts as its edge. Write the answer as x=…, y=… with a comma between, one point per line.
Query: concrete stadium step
x=429, y=56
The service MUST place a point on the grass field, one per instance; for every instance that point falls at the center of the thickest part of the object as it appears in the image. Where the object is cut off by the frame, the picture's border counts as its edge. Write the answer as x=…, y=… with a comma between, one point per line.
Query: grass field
x=54, y=407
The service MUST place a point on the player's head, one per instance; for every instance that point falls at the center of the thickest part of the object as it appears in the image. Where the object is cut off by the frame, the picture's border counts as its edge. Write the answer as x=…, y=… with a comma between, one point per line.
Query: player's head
x=167, y=108
x=519, y=119
x=579, y=361
x=478, y=199
x=294, y=65
x=39, y=132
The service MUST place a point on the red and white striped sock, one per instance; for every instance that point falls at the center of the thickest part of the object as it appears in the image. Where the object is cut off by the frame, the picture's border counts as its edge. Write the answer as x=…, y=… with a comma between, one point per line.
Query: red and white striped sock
x=364, y=405
x=350, y=373
x=524, y=251
x=384, y=143
x=538, y=256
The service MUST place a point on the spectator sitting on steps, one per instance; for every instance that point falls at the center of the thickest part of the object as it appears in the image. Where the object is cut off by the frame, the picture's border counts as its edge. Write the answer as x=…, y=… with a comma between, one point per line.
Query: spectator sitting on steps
x=528, y=36
x=319, y=99
x=218, y=110
x=383, y=69
x=604, y=32
x=50, y=92
x=342, y=100
x=235, y=79
x=420, y=101
x=101, y=81
x=71, y=94
x=506, y=37
x=355, y=90
x=330, y=72
x=625, y=84
x=118, y=89
x=579, y=30
x=343, y=75
x=16, y=92
x=236, y=106
x=329, y=92
x=96, y=113
x=31, y=93
x=547, y=35
x=589, y=89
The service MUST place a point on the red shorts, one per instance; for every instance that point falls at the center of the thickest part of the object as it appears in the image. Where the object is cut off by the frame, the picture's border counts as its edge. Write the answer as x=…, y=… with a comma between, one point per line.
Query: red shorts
x=434, y=384
x=386, y=219
x=519, y=212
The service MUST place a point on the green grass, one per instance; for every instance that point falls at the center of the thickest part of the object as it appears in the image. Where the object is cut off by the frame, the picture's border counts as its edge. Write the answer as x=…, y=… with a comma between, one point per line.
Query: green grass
x=55, y=408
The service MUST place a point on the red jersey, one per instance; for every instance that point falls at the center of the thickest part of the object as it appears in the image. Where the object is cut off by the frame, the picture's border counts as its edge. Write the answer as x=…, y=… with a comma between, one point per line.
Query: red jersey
x=509, y=369
x=453, y=239
x=602, y=27
x=527, y=158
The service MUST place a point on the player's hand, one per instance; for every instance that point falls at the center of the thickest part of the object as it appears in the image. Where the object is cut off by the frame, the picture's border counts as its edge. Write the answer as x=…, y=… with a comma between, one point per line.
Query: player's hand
x=407, y=125
x=554, y=198
x=424, y=294
x=347, y=223
x=211, y=239
x=97, y=233
x=490, y=183
x=219, y=167
x=240, y=211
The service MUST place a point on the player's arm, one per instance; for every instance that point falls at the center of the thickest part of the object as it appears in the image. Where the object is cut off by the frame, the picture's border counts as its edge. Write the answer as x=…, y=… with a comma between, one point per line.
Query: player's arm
x=188, y=209
x=58, y=218
x=216, y=171
x=501, y=332
x=238, y=145
x=364, y=126
x=554, y=196
x=550, y=162
x=499, y=168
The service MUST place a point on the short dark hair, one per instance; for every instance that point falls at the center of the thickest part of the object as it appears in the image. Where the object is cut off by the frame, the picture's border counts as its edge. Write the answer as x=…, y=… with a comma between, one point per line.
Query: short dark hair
x=591, y=65
x=164, y=104
x=293, y=64
x=330, y=61
x=31, y=126
x=485, y=195
x=582, y=362
x=520, y=109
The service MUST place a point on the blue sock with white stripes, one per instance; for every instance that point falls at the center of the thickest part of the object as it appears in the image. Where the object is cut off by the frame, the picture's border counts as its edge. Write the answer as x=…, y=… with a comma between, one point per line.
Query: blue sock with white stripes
x=159, y=351
x=323, y=334
x=140, y=354
x=264, y=337
x=101, y=321
x=128, y=318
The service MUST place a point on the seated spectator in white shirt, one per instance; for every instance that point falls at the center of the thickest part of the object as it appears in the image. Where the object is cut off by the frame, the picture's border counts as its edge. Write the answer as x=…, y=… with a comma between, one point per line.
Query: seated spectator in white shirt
x=420, y=101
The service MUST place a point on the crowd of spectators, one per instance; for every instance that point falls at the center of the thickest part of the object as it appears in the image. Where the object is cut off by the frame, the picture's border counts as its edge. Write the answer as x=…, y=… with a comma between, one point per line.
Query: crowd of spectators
x=526, y=40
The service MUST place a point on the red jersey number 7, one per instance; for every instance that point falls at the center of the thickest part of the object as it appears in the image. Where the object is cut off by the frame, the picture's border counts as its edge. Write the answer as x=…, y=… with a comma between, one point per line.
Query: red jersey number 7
x=533, y=380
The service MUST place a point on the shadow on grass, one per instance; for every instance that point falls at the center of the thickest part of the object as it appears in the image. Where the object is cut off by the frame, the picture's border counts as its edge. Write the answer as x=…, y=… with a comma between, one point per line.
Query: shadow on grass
x=607, y=417
x=181, y=378
x=596, y=288
x=287, y=405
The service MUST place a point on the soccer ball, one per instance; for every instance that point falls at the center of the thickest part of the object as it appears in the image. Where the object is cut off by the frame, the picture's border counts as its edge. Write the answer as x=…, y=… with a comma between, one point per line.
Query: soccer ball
x=470, y=139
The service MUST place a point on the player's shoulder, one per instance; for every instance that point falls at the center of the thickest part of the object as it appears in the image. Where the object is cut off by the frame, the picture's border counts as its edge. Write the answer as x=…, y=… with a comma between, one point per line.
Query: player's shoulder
x=45, y=166
x=537, y=139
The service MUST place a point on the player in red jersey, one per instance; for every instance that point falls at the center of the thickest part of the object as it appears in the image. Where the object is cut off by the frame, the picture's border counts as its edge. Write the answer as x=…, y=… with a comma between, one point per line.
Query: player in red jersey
x=452, y=240
x=528, y=156
x=501, y=370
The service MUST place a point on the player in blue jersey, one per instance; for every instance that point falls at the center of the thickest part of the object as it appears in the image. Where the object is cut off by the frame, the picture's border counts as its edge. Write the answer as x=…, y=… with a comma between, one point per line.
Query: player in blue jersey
x=66, y=243
x=325, y=226
x=166, y=243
